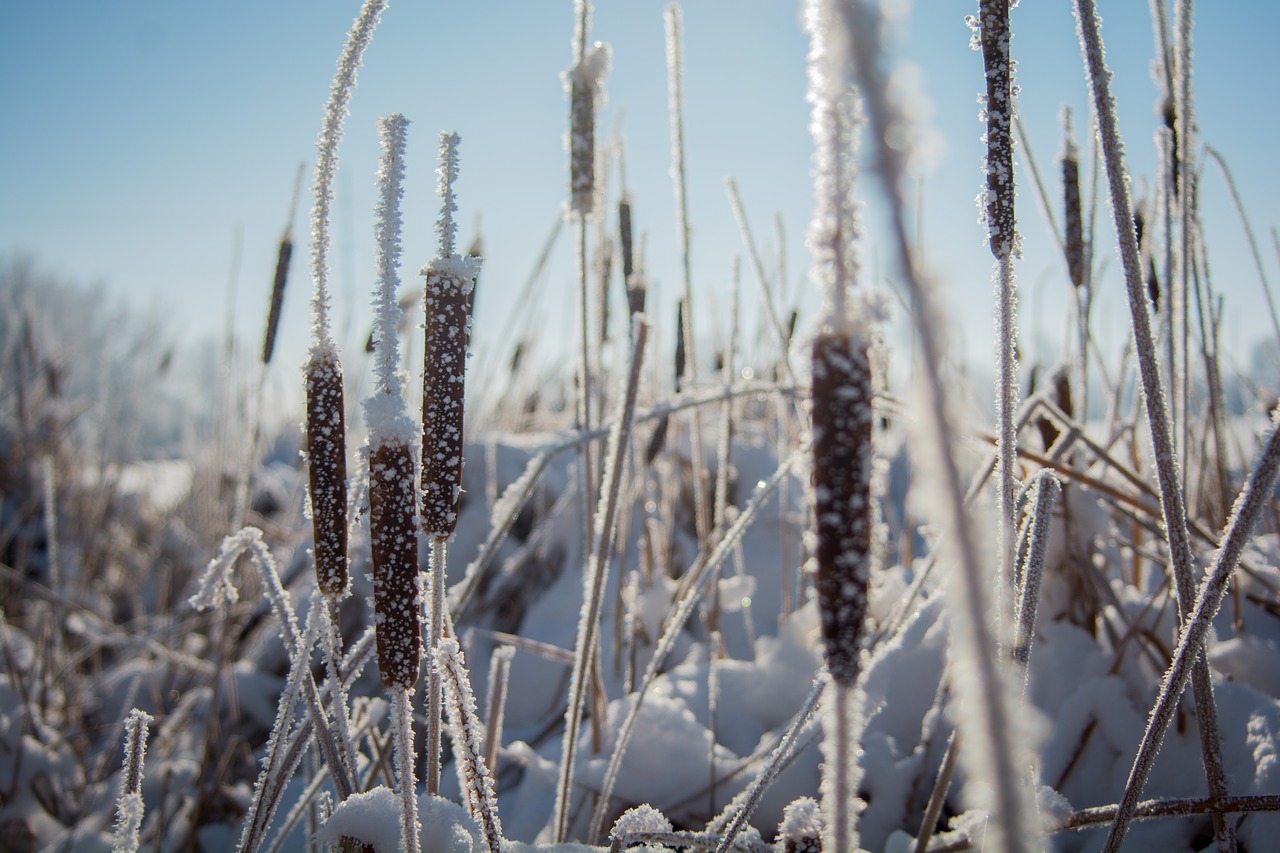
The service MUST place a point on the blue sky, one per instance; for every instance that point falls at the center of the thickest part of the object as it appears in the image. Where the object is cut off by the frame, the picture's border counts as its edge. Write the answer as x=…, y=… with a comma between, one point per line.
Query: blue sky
x=139, y=138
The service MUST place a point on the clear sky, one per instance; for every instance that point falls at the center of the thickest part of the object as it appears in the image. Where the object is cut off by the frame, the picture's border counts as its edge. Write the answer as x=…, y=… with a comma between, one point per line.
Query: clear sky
x=139, y=138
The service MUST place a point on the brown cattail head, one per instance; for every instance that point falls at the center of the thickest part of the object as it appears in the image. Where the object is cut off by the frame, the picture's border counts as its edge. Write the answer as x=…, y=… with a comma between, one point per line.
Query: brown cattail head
x=327, y=464
x=1073, y=238
x=584, y=82
x=842, y=462
x=993, y=33
x=397, y=600
x=277, y=297
x=681, y=355
x=624, y=237
x=449, y=283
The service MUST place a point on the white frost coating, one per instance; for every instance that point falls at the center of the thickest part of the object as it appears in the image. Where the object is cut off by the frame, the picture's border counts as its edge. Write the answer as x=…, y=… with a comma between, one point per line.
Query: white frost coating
x=402, y=736
x=335, y=112
x=129, y=805
x=642, y=818
x=468, y=742
x=801, y=819
x=833, y=115
x=447, y=172
x=386, y=229
x=463, y=268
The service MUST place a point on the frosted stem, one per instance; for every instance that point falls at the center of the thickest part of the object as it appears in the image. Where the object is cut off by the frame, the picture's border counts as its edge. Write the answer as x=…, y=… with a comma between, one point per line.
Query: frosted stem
x=673, y=18
x=691, y=584
x=335, y=113
x=1047, y=488
x=1172, y=501
x=1190, y=652
x=435, y=627
x=993, y=734
x=596, y=574
x=129, y=806
x=402, y=734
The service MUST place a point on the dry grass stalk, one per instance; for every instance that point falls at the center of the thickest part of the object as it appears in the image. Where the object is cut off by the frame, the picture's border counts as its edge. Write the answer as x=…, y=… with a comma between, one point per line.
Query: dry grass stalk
x=993, y=726
x=1172, y=501
x=129, y=806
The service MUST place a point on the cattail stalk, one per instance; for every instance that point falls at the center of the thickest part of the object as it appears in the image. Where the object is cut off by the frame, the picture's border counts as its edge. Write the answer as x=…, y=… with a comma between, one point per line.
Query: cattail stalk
x=450, y=279
x=993, y=34
x=688, y=594
x=326, y=427
x=393, y=496
x=993, y=738
x=585, y=648
x=496, y=704
x=129, y=806
x=673, y=18
x=1172, y=501
x=842, y=419
x=1046, y=488
x=1255, y=495
x=474, y=777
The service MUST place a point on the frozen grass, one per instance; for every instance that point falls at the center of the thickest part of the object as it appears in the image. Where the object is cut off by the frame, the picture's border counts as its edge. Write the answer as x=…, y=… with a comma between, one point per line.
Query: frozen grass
x=680, y=708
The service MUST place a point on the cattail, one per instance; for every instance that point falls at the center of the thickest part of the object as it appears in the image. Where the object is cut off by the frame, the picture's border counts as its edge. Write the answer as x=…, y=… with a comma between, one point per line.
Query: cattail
x=282, y=274
x=1073, y=238
x=129, y=806
x=394, y=548
x=446, y=295
x=277, y=296
x=326, y=427
x=584, y=81
x=392, y=494
x=327, y=469
x=842, y=455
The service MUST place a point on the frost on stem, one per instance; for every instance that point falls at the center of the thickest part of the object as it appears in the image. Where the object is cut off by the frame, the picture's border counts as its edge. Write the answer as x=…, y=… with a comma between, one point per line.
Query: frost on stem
x=386, y=229
x=129, y=805
x=468, y=742
x=335, y=113
x=834, y=115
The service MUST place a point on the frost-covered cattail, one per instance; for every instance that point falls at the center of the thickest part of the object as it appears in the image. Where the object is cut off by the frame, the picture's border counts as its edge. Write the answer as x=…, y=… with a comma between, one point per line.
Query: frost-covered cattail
x=1073, y=236
x=277, y=296
x=326, y=426
x=392, y=492
x=842, y=416
x=327, y=468
x=446, y=297
x=842, y=464
x=129, y=807
x=283, y=256
x=585, y=84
